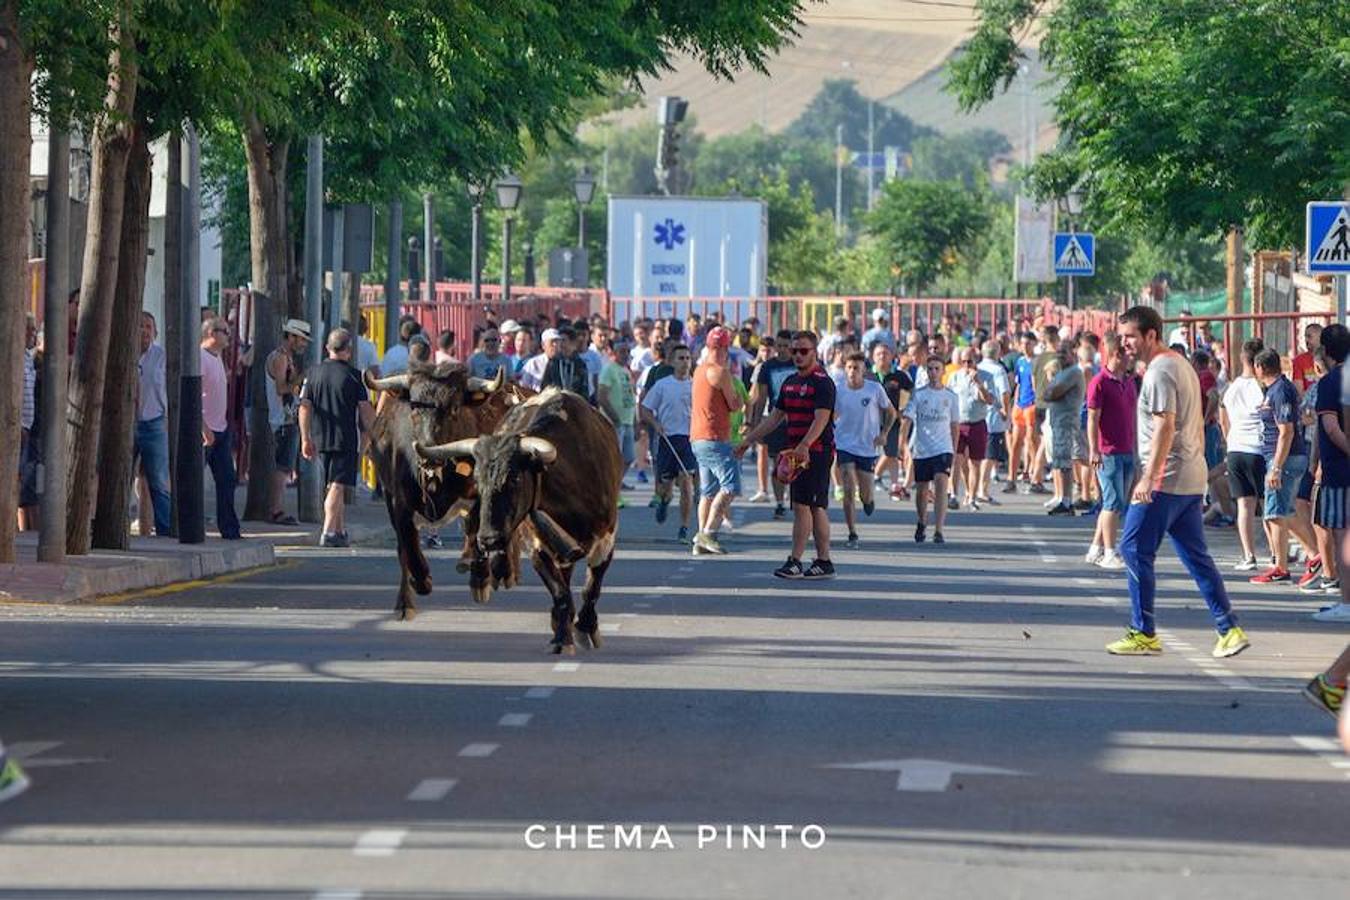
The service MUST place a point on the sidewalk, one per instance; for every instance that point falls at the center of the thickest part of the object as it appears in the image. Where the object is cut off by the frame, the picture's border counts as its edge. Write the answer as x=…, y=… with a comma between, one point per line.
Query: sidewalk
x=155, y=562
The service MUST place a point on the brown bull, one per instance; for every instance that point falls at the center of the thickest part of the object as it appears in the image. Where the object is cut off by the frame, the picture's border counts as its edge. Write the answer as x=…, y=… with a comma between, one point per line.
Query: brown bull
x=430, y=405
x=550, y=472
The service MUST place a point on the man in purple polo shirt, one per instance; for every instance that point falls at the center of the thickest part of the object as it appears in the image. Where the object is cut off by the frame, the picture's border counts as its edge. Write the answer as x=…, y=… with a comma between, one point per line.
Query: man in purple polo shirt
x=1111, y=402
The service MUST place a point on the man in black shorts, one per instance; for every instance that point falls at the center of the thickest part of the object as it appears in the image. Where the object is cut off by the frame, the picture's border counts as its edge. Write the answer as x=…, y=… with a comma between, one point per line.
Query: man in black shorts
x=806, y=404
x=334, y=396
x=767, y=381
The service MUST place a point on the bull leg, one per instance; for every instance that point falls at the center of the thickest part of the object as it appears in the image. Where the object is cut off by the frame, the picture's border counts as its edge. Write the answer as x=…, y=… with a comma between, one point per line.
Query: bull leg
x=598, y=560
x=416, y=572
x=560, y=589
x=475, y=562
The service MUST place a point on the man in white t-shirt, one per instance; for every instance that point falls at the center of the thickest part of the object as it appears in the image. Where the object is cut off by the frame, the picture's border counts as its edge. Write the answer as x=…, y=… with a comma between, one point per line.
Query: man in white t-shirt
x=996, y=421
x=862, y=416
x=1240, y=418
x=667, y=407
x=932, y=418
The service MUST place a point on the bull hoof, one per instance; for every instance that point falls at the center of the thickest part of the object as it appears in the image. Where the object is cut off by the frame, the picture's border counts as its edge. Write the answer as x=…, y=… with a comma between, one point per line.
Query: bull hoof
x=480, y=594
x=563, y=649
x=405, y=612
x=591, y=638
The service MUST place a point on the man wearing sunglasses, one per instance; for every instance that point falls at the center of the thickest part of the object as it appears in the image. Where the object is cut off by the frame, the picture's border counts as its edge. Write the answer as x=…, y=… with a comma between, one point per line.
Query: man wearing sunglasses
x=216, y=436
x=806, y=404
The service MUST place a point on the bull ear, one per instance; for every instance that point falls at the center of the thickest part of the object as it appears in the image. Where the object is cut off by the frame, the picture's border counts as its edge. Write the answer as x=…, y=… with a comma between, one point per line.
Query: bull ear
x=543, y=451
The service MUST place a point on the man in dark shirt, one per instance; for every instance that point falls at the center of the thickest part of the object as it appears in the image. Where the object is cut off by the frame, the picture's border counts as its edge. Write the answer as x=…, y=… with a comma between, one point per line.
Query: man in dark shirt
x=806, y=404
x=766, y=382
x=568, y=370
x=1286, y=456
x=334, y=396
x=1331, y=509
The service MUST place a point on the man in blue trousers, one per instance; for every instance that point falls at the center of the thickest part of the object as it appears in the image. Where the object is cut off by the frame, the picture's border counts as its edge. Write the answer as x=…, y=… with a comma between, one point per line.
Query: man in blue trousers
x=1168, y=496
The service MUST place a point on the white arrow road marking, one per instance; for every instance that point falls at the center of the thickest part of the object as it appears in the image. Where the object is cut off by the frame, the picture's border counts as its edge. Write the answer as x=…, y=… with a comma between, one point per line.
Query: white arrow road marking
x=380, y=842
x=25, y=751
x=432, y=789
x=923, y=774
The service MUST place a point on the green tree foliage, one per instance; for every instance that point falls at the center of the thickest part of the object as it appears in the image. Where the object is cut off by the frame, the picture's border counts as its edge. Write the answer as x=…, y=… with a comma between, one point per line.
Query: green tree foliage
x=742, y=160
x=925, y=228
x=963, y=157
x=839, y=103
x=1186, y=115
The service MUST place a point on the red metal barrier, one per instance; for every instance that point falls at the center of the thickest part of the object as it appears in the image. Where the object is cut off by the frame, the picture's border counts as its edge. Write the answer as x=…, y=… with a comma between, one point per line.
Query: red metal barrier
x=1280, y=331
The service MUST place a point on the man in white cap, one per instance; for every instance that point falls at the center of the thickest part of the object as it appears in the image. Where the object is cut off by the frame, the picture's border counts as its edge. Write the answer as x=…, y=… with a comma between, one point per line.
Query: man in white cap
x=532, y=373
x=510, y=328
x=879, y=333
x=285, y=375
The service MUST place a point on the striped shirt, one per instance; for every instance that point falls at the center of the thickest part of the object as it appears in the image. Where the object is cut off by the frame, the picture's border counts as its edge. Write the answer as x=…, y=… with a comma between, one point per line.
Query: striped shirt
x=800, y=397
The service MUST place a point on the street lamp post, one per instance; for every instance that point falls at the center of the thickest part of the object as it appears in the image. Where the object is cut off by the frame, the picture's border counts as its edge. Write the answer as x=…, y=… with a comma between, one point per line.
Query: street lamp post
x=1071, y=204
x=508, y=198
x=584, y=188
x=476, y=240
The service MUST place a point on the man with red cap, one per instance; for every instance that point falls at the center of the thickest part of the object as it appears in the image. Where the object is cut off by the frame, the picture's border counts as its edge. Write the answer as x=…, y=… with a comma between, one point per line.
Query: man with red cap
x=719, y=472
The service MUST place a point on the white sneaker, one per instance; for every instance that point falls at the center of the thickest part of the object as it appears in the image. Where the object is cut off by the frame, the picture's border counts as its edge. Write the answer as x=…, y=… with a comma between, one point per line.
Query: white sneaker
x=759, y=497
x=1094, y=555
x=1338, y=613
x=1111, y=560
x=1246, y=565
x=1051, y=503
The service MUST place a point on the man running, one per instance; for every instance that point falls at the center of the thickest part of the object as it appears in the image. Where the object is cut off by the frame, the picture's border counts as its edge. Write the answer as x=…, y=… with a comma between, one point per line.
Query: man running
x=806, y=404
x=1168, y=496
x=932, y=419
x=667, y=407
x=863, y=416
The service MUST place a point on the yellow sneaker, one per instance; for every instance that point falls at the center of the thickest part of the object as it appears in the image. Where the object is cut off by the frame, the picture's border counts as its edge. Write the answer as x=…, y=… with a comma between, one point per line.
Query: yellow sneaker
x=1231, y=644
x=1135, y=643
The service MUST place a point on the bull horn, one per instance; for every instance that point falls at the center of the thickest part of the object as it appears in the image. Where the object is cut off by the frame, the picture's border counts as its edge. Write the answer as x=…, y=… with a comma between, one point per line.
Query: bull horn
x=541, y=449
x=392, y=383
x=490, y=386
x=446, y=452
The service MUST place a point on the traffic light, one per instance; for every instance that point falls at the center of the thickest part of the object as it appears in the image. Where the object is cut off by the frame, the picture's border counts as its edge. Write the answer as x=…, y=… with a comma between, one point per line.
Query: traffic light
x=669, y=148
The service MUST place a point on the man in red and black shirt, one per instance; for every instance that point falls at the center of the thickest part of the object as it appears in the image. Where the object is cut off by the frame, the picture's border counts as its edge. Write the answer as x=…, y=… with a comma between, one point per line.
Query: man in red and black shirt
x=806, y=404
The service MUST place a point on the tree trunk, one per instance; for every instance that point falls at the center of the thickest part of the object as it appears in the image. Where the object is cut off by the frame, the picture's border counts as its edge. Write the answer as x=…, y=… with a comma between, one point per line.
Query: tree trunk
x=16, y=68
x=111, y=525
x=103, y=237
x=267, y=158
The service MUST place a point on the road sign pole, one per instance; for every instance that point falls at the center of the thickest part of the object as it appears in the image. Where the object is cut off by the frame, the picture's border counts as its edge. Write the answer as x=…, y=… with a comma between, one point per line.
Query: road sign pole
x=1070, y=294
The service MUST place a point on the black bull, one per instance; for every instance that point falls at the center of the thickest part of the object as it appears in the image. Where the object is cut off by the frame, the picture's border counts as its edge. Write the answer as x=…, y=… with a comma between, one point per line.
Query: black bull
x=551, y=472
x=430, y=405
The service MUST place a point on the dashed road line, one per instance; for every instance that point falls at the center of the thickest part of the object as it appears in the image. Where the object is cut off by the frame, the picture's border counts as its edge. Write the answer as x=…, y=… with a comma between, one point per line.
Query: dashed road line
x=609, y=627
x=515, y=720
x=539, y=693
x=479, y=751
x=429, y=790
x=1209, y=665
x=1328, y=749
x=380, y=842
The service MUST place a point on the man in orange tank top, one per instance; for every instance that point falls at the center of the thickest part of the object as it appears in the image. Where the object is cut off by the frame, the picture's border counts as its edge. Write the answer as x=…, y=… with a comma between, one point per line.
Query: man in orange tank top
x=719, y=472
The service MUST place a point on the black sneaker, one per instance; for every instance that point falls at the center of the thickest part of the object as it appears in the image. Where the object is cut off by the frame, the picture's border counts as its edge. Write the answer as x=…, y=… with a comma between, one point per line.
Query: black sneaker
x=821, y=568
x=938, y=538
x=662, y=508
x=868, y=507
x=1062, y=509
x=919, y=531
x=1037, y=489
x=779, y=512
x=852, y=542
x=792, y=569
x=1082, y=504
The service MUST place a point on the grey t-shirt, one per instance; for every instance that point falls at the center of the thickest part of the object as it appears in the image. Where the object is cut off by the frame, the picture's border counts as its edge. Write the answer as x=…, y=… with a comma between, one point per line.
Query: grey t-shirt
x=1066, y=411
x=1170, y=385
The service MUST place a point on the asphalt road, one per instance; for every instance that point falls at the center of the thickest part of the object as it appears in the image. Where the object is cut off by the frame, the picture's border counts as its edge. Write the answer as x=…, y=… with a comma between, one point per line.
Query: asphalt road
x=943, y=718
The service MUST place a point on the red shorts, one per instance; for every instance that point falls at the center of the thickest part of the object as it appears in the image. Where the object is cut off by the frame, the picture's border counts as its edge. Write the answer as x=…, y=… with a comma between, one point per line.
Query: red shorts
x=1024, y=416
x=973, y=440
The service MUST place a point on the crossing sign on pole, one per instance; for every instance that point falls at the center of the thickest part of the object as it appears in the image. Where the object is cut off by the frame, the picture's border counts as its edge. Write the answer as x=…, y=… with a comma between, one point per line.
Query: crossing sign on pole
x=1075, y=253
x=1328, y=237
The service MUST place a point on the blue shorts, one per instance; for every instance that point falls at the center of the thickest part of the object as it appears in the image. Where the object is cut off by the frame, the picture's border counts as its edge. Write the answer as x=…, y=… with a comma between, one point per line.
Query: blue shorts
x=1213, y=445
x=863, y=463
x=1280, y=502
x=718, y=468
x=1116, y=477
x=670, y=466
x=626, y=448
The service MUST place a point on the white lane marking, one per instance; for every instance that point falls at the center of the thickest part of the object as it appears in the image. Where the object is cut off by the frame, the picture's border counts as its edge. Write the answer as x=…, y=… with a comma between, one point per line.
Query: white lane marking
x=1106, y=600
x=429, y=790
x=609, y=626
x=338, y=894
x=515, y=720
x=566, y=666
x=649, y=606
x=1087, y=581
x=1208, y=664
x=539, y=693
x=380, y=842
x=479, y=751
x=1046, y=557
x=1327, y=749
x=1029, y=529
x=626, y=615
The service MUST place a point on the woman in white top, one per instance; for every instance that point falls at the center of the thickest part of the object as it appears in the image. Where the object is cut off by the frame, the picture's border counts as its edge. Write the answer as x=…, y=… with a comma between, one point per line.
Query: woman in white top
x=1240, y=418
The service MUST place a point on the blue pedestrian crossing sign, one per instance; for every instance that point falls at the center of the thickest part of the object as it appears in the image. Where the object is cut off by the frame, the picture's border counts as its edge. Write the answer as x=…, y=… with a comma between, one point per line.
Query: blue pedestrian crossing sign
x=1328, y=237
x=1075, y=253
